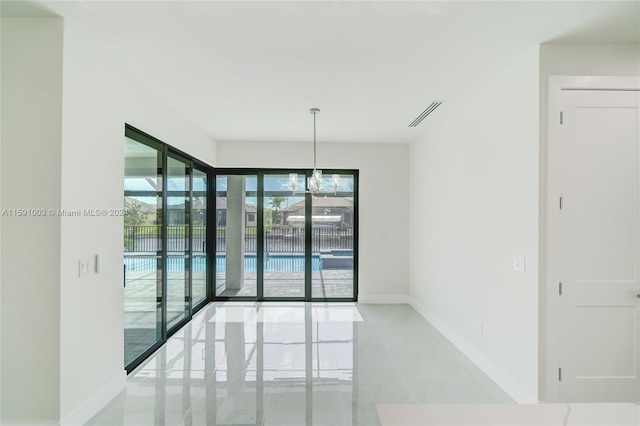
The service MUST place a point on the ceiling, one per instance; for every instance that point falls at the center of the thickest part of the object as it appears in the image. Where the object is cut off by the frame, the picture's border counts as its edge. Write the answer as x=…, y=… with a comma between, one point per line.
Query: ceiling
x=251, y=70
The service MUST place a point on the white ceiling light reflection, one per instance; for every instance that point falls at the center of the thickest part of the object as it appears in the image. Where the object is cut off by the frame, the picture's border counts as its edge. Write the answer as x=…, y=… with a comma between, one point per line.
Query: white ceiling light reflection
x=235, y=312
x=282, y=313
x=335, y=313
x=320, y=312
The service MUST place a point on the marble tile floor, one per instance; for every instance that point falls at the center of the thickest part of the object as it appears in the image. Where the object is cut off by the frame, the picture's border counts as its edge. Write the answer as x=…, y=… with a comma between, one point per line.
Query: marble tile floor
x=141, y=308
x=246, y=363
x=551, y=414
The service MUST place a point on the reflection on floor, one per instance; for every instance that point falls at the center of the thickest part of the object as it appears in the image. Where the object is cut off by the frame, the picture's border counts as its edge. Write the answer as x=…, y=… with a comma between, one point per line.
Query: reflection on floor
x=297, y=364
x=142, y=311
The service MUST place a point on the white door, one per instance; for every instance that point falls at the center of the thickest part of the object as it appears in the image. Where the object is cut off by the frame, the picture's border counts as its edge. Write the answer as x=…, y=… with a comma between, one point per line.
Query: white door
x=599, y=237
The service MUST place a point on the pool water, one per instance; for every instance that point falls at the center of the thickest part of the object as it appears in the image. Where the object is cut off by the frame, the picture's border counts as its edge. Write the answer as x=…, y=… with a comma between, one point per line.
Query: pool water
x=290, y=263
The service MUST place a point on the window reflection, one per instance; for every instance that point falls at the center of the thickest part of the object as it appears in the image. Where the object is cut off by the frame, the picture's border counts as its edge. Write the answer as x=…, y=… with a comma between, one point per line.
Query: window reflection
x=237, y=363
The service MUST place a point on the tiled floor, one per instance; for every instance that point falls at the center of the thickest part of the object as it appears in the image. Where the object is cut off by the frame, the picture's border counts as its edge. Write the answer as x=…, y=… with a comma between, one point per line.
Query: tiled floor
x=297, y=364
x=141, y=310
x=552, y=414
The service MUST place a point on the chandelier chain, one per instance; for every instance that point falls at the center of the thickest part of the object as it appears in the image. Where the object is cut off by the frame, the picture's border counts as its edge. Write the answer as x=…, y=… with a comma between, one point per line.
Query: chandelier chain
x=315, y=112
x=315, y=180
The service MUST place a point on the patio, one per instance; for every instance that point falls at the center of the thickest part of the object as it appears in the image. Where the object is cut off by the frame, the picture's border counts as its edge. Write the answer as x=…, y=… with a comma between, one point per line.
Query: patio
x=328, y=283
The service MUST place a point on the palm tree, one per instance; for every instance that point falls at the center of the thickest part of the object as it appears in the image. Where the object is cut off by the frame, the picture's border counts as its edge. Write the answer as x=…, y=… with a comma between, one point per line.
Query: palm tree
x=134, y=215
x=276, y=216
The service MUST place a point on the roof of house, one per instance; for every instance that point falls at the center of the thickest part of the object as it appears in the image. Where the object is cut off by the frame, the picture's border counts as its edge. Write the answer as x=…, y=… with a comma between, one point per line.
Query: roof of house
x=322, y=202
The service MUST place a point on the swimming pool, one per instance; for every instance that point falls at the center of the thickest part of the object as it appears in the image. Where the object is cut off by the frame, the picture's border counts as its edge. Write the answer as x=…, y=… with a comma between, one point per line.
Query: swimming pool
x=284, y=263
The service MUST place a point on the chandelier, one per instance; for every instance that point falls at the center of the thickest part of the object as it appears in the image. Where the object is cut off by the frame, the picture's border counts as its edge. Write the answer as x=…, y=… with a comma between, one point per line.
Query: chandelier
x=315, y=181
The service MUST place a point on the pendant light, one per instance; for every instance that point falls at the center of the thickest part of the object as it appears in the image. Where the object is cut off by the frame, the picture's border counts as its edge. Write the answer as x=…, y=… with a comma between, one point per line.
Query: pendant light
x=315, y=181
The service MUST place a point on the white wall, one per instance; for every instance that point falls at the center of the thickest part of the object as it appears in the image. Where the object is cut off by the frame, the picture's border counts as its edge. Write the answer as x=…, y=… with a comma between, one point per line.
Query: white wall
x=31, y=170
x=474, y=205
x=99, y=97
x=1, y=204
x=1, y=97
x=62, y=336
x=477, y=199
x=383, y=196
x=584, y=59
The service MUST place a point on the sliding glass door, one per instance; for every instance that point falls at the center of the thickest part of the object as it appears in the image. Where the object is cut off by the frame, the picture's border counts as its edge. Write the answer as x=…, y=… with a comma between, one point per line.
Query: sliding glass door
x=165, y=242
x=178, y=236
x=143, y=238
x=284, y=238
x=274, y=243
x=199, y=258
x=333, y=221
x=256, y=239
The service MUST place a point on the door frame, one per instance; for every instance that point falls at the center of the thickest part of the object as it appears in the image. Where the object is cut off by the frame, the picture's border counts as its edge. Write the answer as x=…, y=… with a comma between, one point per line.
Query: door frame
x=260, y=174
x=192, y=163
x=550, y=223
x=177, y=156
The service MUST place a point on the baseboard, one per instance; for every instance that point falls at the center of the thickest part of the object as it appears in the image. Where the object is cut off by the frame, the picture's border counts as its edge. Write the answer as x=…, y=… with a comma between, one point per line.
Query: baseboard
x=385, y=299
x=96, y=402
x=502, y=379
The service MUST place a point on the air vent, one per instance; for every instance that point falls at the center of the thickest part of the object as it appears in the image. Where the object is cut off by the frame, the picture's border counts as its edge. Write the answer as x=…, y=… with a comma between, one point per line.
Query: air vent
x=429, y=110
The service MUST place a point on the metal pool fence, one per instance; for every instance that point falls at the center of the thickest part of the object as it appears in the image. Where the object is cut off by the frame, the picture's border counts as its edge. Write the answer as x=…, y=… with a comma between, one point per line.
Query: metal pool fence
x=284, y=239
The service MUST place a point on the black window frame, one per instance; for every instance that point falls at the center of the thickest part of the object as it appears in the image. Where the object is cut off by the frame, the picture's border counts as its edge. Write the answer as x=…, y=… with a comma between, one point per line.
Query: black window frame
x=166, y=151
x=260, y=172
x=212, y=218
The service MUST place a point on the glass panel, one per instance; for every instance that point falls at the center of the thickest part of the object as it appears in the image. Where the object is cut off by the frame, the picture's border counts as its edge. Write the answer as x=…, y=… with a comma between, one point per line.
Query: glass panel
x=332, y=238
x=178, y=259
x=199, y=227
x=284, y=226
x=236, y=222
x=142, y=249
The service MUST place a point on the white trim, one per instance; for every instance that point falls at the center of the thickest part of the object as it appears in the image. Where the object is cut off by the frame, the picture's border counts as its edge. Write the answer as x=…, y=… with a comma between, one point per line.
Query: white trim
x=550, y=344
x=386, y=299
x=96, y=402
x=590, y=82
x=502, y=379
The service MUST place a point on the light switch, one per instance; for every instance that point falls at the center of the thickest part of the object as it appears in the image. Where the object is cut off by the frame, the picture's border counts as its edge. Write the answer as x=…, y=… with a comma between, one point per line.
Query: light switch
x=83, y=267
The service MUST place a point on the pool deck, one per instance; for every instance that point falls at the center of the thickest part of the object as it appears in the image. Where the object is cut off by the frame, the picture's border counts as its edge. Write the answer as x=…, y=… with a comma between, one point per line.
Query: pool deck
x=327, y=283
x=140, y=291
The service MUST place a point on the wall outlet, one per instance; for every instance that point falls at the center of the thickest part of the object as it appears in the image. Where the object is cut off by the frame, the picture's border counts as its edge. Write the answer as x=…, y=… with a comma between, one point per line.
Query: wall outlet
x=519, y=263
